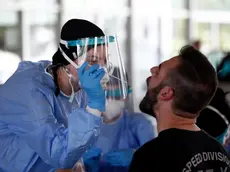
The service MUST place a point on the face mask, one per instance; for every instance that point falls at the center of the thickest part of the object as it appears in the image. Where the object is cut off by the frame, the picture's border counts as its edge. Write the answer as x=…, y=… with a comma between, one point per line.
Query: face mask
x=113, y=108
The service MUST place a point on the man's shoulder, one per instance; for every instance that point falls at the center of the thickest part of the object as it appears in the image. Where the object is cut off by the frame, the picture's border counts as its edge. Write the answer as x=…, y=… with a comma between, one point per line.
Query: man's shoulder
x=146, y=155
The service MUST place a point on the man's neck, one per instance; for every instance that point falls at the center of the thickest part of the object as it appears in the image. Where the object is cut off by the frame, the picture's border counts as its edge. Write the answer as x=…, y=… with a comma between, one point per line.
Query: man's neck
x=167, y=119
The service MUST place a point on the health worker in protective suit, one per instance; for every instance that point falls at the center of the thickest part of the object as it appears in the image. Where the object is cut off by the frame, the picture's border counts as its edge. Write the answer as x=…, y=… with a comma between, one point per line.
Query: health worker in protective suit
x=51, y=111
x=121, y=134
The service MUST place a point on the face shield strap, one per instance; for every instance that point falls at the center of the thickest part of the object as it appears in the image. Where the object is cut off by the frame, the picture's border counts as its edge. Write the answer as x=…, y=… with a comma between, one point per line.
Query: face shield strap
x=71, y=97
x=65, y=55
x=110, y=75
x=72, y=91
x=64, y=43
x=67, y=58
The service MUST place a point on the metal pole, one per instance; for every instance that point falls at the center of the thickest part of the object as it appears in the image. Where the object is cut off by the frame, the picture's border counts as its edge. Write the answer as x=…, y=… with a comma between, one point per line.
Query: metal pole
x=20, y=34
x=129, y=61
x=159, y=52
x=166, y=27
x=189, y=22
x=24, y=34
x=215, y=36
x=59, y=20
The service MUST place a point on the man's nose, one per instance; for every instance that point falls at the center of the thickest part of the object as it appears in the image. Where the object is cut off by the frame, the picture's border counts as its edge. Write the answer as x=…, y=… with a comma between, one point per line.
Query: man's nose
x=153, y=69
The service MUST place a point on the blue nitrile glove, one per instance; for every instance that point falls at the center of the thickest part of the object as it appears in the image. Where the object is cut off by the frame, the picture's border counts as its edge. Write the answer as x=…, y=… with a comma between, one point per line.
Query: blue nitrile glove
x=91, y=159
x=120, y=158
x=90, y=82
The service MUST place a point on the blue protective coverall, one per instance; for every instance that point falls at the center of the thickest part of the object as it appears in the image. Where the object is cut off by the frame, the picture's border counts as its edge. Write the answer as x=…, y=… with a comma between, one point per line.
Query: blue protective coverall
x=41, y=132
x=130, y=131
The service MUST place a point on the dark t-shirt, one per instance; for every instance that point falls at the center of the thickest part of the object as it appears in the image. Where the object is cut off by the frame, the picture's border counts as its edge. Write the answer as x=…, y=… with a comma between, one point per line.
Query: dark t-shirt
x=177, y=150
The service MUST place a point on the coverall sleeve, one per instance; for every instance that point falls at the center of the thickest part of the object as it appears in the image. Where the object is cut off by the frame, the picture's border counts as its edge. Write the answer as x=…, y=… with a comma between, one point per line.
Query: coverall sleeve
x=57, y=145
x=143, y=129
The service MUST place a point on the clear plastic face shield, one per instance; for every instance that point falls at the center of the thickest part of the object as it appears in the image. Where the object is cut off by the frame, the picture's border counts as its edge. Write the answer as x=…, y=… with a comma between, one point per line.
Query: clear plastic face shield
x=115, y=91
x=115, y=96
x=105, y=52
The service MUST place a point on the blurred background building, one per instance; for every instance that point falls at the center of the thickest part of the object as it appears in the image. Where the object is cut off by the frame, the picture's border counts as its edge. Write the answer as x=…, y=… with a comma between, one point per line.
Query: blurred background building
x=149, y=31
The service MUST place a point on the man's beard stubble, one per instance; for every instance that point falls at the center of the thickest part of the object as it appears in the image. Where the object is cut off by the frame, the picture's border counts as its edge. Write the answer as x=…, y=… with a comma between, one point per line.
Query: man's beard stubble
x=149, y=102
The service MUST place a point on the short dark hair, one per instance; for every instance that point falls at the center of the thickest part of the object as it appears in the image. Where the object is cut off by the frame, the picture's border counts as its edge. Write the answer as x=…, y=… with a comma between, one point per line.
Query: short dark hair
x=194, y=81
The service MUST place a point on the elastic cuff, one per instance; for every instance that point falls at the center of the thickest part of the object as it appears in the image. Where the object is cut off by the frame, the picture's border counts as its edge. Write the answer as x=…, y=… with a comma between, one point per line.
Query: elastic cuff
x=93, y=111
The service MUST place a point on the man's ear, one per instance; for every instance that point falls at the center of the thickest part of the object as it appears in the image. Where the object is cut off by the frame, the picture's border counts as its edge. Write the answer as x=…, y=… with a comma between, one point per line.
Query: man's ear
x=166, y=93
